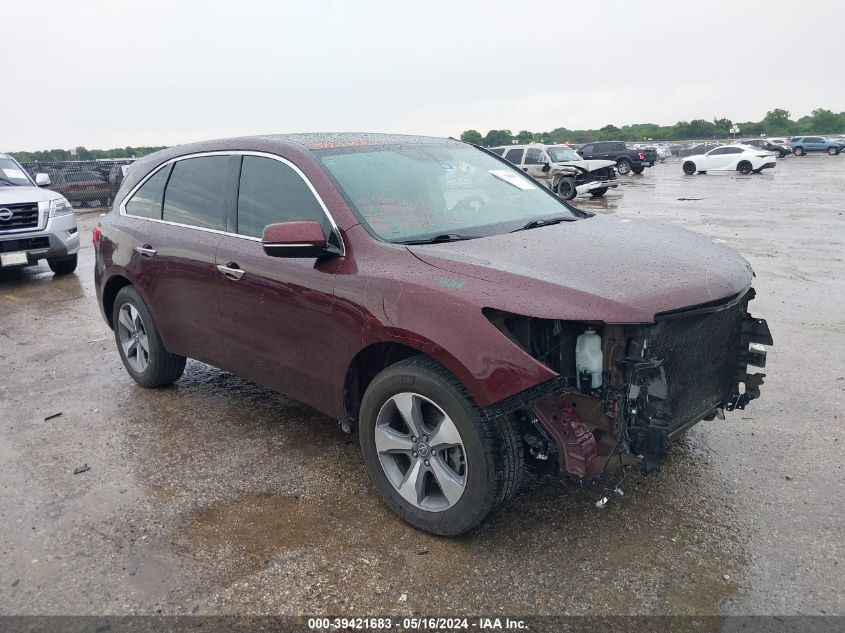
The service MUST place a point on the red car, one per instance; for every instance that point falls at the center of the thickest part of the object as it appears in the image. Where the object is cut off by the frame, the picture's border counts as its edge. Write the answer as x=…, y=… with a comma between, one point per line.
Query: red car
x=462, y=318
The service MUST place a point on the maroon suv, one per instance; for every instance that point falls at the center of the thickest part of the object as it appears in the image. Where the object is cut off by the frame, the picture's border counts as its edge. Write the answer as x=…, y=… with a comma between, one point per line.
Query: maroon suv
x=457, y=314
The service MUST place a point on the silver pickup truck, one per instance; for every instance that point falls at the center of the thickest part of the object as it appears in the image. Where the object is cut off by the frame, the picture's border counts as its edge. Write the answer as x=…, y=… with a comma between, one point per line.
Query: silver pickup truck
x=35, y=223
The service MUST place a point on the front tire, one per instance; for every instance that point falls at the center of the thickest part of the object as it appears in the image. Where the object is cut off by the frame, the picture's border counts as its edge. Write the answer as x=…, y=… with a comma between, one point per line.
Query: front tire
x=139, y=343
x=623, y=166
x=832, y=151
x=63, y=265
x=689, y=167
x=566, y=188
x=435, y=459
x=798, y=151
x=744, y=168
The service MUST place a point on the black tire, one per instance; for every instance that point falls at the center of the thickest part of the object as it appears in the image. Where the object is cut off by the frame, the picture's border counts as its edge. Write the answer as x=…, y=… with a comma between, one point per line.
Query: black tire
x=63, y=265
x=163, y=368
x=493, y=449
x=598, y=193
x=638, y=170
x=566, y=188
x=744, y=167
x=688, y=167
x=798, y=151
x=833, y=151
x=623, y=166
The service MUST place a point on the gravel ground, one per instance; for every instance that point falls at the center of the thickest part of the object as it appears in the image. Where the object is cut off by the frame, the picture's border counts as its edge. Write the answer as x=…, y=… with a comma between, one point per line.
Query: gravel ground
x=217, y=496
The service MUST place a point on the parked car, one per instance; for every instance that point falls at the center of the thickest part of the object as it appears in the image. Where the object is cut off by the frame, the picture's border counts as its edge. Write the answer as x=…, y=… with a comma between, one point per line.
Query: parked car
x=465, y=320
x=627, y=160
x=561, y=169
x=769, y=146
x=741, y=158
x=82, y=186
x=803, y=144
x=35, y=223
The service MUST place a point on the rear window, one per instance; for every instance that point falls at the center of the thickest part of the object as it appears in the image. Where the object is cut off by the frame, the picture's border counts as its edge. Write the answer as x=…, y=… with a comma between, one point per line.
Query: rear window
x=514, y=156
x=498, y=150
x=146, y=203
x=196, y=193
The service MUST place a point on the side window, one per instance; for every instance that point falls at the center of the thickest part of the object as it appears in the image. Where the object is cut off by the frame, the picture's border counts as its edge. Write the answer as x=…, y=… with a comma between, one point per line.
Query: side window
x=498, y=150
x=271, y=192
x=196, y=193
x=718, y=151
x=588, y=149
x=535, y=156
x=813, y=139
x=733, y=150
x=514, y=156
x=146, y=202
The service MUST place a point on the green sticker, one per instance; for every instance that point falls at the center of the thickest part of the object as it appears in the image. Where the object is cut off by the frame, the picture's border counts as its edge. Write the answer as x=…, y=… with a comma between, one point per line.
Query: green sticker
x=450, y=283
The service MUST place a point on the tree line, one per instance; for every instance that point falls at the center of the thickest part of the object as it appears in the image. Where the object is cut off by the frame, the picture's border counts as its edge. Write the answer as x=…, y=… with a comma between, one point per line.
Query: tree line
x=777, y=122
x=81, y=153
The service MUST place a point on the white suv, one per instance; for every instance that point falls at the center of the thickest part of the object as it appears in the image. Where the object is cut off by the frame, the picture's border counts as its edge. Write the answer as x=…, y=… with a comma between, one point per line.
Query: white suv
x=35, y=223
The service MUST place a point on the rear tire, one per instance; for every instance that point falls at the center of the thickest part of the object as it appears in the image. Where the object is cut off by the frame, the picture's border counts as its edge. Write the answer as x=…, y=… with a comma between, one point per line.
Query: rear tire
x=491, y=453
x=744, y=168
x=798, y=151
x=623, y=166
x=832, y=151
x=598, y=193
x=63, y=265
x=139, y=343
x=566, y=188
x=689, y=167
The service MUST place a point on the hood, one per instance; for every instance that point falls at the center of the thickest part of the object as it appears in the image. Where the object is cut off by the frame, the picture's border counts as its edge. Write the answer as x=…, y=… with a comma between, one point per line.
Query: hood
x=17, y=195
x=595, y=269
x=589, y=165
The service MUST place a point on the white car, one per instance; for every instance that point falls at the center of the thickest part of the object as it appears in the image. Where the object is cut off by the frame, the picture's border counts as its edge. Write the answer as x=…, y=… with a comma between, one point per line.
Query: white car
x=742, y=158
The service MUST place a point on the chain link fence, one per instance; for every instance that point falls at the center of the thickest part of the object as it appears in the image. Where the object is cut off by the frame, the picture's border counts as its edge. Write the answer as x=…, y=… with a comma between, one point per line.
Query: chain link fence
x=85, y=183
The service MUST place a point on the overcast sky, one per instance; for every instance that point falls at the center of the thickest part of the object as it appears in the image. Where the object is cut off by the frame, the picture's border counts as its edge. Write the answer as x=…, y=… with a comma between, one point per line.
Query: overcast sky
x=149, y=72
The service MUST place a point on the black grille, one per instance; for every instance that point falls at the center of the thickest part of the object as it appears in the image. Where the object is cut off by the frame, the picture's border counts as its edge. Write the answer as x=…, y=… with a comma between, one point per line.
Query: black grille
x=700, y=354
x=24, y=216
x=29, y=244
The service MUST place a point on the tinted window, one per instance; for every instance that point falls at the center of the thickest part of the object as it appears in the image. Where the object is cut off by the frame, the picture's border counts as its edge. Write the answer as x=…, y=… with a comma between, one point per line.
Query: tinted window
x=498, y=150
x=535, y=156
x=718, y=151
x=588, y=149
x=514, y=156
x=271, y=192
x=813, y=139
x=733, y=150
x=146, y=203
x=196, y=193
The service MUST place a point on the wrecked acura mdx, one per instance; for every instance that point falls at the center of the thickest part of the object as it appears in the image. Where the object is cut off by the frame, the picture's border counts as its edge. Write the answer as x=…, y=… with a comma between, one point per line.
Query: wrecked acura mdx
x=460, y=317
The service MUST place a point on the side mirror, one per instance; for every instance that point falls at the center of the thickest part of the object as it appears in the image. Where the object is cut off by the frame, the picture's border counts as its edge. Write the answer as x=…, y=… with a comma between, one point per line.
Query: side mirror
x=546, y=167
x=42, y=180
x=294, y=239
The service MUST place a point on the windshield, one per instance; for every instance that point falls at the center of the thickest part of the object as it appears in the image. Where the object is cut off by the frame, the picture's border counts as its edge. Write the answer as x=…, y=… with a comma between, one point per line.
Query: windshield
x=417, y=192
x=11, y=174
x=562, y=154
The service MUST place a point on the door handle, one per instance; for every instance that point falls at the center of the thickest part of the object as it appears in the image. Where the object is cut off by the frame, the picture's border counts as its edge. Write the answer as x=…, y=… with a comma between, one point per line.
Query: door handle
x=145, y=251
x=231, y=270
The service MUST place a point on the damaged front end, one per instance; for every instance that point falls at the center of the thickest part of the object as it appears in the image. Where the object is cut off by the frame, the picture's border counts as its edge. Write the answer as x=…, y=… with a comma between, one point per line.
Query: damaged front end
x=654, y=381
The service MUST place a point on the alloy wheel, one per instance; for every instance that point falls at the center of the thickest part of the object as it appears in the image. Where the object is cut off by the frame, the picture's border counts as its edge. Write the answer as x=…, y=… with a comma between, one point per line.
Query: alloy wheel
x=421, y=452
x=133, y=337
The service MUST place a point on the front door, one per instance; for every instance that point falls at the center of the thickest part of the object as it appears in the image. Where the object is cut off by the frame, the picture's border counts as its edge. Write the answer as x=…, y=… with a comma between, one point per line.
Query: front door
x=278, y=311
x=535, y=161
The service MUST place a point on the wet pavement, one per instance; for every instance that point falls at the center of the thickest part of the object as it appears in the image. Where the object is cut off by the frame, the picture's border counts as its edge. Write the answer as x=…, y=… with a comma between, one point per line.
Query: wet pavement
x=218, y=496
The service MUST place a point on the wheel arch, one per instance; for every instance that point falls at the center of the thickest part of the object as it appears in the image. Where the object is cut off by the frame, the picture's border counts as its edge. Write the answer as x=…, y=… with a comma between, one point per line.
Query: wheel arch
x=114, y=285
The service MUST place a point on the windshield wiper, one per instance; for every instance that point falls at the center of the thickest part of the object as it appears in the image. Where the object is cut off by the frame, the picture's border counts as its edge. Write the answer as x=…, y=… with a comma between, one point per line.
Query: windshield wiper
x=445, y=237
x=533, y=224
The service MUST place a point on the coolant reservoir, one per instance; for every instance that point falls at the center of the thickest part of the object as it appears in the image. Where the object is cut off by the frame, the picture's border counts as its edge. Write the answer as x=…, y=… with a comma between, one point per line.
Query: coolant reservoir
x=588, y=360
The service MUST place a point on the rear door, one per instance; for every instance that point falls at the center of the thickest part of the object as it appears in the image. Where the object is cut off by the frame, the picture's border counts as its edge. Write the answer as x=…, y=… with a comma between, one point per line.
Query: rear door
x=814, y=143
x=174, y=255
x=278, y=311
x=514, y=155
